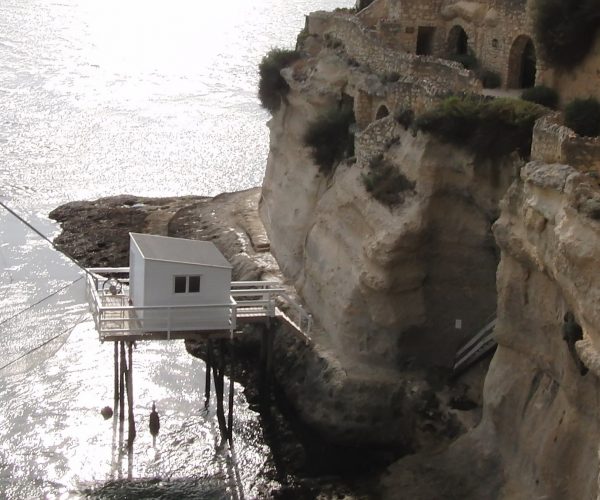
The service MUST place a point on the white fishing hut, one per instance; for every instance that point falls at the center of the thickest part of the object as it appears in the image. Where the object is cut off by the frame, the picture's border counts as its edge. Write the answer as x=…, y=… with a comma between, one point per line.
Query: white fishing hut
x=181, y=275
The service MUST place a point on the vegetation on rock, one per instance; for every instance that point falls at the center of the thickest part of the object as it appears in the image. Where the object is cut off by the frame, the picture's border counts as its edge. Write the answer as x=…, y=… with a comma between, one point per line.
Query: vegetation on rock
x=490, y=128
x=405, y=117
x=385, y=183
x=583, y=117
x=469, y=61
x=272, y=87
x=489, y=79
x=540, y=94
x=565, y=30
x=330, y=138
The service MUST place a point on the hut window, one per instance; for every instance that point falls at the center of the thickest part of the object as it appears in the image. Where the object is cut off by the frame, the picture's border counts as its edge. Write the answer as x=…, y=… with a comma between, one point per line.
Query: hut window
x=180, y=284
x=187, y=284
x=194, y=284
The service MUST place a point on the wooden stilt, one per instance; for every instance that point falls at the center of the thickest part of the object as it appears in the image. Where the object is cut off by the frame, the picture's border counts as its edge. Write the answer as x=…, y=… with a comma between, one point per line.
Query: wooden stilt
x=231, y=383
x=130, y=417
x=263, y=365
x=270, y=338
x=208, y=368
x=122, y=370
x=218, y=375
x=116, y=398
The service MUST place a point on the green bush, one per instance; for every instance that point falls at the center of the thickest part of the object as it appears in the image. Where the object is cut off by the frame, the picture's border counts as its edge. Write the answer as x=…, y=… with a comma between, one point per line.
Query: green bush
x=469, y=61
x=405, y=117
x=330, y=138
x=583, y=117
x=565, y=29
x=271, y=86
x=385, y=183
x=301, y=38
x=489, y=79
x=363, y=4
x=540, y=94
x=391, y=77
x=490, y=128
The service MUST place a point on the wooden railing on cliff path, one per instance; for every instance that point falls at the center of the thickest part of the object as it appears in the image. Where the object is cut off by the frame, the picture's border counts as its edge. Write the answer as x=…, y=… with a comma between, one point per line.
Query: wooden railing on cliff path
x=476, y=348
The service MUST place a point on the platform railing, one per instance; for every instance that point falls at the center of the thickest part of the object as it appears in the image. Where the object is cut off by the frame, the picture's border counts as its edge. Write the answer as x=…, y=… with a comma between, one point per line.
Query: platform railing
x=114, y=314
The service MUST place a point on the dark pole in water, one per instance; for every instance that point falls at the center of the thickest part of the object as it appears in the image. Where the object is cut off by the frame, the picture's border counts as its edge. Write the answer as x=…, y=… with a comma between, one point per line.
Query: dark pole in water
x=130, y=417
x=270, y=338
x=230, y=415
x=208, y=368
x=122, y=369
x=116, y=402
x=263, y=364
x=218, y=375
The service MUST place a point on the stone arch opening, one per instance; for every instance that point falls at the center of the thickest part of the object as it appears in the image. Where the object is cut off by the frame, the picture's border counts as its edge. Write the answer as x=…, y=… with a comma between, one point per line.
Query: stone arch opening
x=382, y=112
x=458, y=41
x=522, y=63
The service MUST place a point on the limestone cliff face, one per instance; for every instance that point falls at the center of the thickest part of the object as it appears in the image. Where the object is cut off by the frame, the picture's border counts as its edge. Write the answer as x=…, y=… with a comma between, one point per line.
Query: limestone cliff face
x=386, y=284
x=539, y=434
x=544, y=412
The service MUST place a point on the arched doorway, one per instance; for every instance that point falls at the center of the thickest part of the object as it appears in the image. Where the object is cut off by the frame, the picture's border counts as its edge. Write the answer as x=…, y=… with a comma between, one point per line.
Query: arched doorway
x=382, y=112
x=458, y=41
x=522, y=63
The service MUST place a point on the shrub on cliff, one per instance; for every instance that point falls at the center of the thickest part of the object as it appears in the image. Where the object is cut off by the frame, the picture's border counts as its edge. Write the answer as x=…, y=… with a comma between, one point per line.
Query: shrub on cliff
x=489, y=79
x=272, y=87
x=330, y=138
x=385, y=183
x=565, y=30
x=540, y=94
x=469, y=61
x=583, y=117
x=490, y=128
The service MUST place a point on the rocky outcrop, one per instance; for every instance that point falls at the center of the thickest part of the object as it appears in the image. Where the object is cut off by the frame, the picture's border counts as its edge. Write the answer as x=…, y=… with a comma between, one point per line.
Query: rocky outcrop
x=96, y=233
x=386, y=283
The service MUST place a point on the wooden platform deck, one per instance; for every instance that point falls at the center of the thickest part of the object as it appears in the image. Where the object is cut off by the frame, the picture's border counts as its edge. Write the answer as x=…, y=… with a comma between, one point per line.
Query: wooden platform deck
x=250, y=303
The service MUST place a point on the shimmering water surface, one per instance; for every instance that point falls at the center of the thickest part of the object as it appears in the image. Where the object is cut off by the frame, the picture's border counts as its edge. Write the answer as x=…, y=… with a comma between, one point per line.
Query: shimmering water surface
x=150, y=97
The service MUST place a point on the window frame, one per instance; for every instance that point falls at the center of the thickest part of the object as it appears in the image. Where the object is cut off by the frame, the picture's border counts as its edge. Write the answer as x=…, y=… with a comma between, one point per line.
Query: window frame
x=187, y=278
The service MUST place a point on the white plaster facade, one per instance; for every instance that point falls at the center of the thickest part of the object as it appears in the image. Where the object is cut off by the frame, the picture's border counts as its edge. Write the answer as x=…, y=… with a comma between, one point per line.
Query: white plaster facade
x=156, y=261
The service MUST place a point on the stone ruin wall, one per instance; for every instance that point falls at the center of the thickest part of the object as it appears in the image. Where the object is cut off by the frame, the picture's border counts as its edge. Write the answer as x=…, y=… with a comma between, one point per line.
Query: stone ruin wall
x=369, y=143
x=367, y=49
x=555, y=143
x=418, y=96
x=493, y=29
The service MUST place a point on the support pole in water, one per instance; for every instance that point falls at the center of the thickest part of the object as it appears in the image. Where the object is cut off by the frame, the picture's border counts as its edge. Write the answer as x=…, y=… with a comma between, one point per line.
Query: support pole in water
x=263, y=365
x=131, y=419
x=230, y=415
x=270, y=338
x=116, y=398
x=122, y=370
x=208, y=368
x=218, y=375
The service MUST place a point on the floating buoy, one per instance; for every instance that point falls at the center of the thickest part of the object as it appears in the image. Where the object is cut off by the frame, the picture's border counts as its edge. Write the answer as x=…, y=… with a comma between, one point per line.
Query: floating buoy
x=154, y=421
x=106, y=412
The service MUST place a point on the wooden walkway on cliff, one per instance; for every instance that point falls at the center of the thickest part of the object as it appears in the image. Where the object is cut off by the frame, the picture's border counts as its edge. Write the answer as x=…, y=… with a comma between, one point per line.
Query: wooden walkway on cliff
x=478, y=346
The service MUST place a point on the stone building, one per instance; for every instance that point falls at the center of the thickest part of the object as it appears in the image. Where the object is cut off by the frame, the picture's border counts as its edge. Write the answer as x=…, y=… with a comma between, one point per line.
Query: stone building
x=497, y=32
